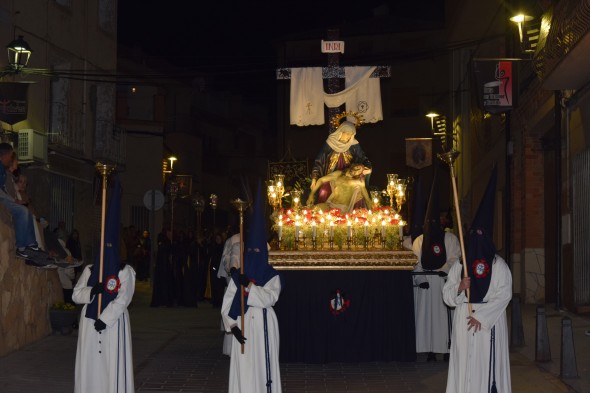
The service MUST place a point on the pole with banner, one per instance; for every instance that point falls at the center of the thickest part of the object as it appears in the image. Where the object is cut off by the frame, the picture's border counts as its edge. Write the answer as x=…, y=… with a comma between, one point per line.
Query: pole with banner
x=449, y=158
x=105, y=170
x=241, y=207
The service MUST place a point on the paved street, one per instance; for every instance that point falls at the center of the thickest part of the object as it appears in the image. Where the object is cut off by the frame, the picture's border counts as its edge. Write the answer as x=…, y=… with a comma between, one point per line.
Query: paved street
x=179, y=350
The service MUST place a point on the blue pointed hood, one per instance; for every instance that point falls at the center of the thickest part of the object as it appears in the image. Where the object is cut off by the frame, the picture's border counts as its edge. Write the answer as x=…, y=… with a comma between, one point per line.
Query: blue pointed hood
x=112, y=258
x=256, y=266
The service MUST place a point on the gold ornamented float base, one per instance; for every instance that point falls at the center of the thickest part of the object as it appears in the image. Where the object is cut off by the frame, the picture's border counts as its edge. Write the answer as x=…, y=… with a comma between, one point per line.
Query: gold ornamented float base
x=342, y=260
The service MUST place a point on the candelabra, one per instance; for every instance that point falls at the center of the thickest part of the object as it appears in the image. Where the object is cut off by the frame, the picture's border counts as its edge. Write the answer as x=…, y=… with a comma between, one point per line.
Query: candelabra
x=391, y=187
x=271, y=191
x=279, y=182
x=375, y=199
x=295, y=199
x=400, y=193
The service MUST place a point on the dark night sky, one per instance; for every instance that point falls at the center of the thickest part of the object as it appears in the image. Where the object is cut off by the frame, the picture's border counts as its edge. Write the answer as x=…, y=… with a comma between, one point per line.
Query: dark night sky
x=231, y=37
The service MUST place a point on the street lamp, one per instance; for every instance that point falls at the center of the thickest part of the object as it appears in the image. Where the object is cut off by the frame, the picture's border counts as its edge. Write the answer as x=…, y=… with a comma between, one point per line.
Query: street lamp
x=167, y=170
x=172, y=159
x=432, y=115
x=527, y=34
x=19, y=53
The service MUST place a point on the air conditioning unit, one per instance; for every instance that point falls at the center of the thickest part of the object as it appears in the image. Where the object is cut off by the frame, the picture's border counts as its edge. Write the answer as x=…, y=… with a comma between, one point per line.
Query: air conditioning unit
x=32, y=146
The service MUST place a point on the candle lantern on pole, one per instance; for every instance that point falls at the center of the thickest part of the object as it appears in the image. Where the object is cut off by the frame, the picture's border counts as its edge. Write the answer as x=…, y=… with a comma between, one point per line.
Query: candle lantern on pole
x=213, y=204
x=199, y=206
x=241, y=207
x=173, y=192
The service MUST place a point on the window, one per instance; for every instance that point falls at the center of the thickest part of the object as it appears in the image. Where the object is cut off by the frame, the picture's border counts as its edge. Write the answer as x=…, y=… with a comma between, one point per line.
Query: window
x=60, y=108
x=107, y=16
x=140, y=218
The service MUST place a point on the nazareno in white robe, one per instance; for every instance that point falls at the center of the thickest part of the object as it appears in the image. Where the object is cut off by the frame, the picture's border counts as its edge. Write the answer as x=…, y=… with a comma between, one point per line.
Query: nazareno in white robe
x=431, y=313
x=469, y=364
x=247, y=371
x=104, y=362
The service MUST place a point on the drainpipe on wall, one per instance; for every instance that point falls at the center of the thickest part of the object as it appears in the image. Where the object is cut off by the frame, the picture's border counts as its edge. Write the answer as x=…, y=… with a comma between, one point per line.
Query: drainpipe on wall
x=558, y=188
x=508, y=191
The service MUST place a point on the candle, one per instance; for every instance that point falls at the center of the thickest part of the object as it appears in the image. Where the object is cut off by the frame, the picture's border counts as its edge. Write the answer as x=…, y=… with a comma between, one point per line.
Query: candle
x=296, y=230
x=331, y=230
x=280, y=230
x=383, y=229
x=401, y=230
x=366, y=229
x=349, y=230
x=313, y=229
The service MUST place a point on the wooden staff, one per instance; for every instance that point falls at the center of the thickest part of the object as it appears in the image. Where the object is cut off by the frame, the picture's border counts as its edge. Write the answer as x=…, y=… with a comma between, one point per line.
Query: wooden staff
x=241, y=206
x=104, y=170
x=449, y=158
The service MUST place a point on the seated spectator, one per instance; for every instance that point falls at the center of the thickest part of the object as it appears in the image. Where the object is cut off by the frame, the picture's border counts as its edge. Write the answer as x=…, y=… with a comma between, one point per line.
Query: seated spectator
x=24, y=229
x=22, y=197
x=11, y=173
x=73, y=244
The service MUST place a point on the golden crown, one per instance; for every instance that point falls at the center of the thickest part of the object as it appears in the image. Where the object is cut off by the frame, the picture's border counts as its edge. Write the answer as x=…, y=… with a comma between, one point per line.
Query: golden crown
x=359, y=118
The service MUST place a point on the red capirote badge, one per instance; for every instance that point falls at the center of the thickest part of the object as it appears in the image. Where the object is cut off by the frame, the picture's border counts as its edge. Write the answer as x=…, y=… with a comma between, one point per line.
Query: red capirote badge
x=112, y=284
x=437, y=249
x=481, y=268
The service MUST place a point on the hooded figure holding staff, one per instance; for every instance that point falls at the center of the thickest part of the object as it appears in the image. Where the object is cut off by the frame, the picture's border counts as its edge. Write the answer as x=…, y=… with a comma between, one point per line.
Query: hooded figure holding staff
x=257, y=368
x=104, y=359
x=479, y=360
x=437, y=252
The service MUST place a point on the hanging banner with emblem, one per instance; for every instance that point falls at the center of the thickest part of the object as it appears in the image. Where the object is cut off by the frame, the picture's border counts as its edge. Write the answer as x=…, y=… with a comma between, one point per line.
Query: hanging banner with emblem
x=418, y=152
x=13, y=102
x=496, y=81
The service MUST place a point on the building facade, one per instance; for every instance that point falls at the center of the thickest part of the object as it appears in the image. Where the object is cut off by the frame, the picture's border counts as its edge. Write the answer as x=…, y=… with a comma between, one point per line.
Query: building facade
x=70, y=124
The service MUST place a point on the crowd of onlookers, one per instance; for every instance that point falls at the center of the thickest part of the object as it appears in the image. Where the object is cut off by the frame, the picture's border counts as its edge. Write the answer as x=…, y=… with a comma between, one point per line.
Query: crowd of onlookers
x=186, y=268
x=36, y=242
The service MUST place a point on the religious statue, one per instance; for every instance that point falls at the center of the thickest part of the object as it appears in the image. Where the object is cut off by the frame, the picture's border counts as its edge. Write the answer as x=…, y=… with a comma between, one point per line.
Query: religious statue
x=348, y=188
x=339, y=152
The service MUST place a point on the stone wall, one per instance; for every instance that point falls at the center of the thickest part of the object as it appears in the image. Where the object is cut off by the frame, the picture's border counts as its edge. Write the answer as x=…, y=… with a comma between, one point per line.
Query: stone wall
x=26, y=293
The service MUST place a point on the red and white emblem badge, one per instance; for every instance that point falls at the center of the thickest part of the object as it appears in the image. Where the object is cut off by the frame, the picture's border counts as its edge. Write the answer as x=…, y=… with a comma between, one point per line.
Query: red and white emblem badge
x=112, y=284
x=480, y=268
x=436, y=249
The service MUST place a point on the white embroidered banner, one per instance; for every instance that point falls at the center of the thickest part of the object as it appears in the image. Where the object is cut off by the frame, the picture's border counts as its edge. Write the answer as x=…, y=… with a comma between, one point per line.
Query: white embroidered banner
x=307, y=96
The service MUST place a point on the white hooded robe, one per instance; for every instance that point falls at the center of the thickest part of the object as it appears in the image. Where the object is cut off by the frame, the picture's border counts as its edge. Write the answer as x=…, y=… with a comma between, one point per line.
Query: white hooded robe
x=247, y=371
x=469, y=364
x=431, y=313
x=104, y=361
